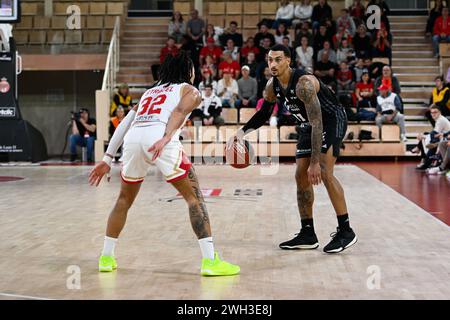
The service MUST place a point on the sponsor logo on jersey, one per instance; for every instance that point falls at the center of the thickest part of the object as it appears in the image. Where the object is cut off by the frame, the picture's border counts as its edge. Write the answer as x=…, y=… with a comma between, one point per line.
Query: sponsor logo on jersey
x=7, y=112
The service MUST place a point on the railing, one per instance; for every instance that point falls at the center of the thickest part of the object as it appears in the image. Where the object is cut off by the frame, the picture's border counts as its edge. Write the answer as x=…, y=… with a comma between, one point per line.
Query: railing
x=112, y=62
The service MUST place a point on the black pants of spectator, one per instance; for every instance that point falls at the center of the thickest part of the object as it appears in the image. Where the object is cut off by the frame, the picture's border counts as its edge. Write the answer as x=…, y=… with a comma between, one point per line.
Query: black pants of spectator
x=444, y=110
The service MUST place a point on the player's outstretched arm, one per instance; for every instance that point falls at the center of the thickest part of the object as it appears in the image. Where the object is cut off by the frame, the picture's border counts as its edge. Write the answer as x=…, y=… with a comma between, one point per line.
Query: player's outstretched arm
x=307, y=88
x=116, y=141
x=190, y=99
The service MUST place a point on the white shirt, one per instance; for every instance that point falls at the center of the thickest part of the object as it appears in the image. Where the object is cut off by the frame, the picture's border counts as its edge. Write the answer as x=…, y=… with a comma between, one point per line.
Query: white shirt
x=207, y=101
x=233, y=89
x=305, y=58
x=303, y=12
x=442, y=125
x=388, y=103
x=286, y=12
x=201, y=86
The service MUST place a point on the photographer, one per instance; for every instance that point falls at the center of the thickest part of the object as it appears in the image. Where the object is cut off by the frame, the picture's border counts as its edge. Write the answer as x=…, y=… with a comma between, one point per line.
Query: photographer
x=83, y=134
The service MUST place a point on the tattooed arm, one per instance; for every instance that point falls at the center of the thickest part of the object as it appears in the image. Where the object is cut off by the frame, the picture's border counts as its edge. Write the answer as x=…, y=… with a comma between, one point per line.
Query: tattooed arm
x=307, y=88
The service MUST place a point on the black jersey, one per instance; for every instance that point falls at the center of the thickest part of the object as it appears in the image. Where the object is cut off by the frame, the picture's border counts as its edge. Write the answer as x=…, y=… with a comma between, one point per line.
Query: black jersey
x=332, y=110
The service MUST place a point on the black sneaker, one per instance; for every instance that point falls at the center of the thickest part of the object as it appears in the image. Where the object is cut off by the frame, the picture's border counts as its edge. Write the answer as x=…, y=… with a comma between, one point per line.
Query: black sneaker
x=340, y=241
x=303, y=240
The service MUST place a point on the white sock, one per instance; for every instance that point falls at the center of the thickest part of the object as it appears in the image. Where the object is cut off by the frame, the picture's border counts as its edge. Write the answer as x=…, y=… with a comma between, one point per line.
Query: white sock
x=108, y=246
x=207, y=248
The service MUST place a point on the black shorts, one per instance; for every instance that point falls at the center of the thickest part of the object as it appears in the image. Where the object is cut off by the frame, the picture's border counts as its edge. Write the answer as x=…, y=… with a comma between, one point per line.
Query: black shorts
x=333, y=135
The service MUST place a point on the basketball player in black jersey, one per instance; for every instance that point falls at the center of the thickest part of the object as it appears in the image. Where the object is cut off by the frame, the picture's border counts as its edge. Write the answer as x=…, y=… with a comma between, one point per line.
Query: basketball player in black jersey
x=322, y=124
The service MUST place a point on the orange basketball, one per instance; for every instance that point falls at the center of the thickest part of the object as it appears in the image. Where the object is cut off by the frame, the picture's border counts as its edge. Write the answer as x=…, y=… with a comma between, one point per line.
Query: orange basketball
x=239, y=155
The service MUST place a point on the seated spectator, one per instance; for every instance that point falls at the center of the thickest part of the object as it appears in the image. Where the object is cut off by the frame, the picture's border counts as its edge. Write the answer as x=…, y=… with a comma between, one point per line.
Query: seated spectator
x=287, y=43
x=359, y=69
x=83, y=135
x=441, y=31
x=273, y=119
x=365, y=98
x=228, y=65
x=440, y=98
x=228, y=90
x=235, y=55
x=431, y=140
x=302, y=12
x=305, y=55
x=207, y=79
x=121, y=99
x=285, y=14
x=320, y=38
x=114, y=123
x=264, y=50
x=264, y=33
x=357, y=12
x=231, y=33
x=345, y=53
x=301, y=32
x=249, y=47
x=250, y=61
x=196, y=28
x=208, y=112
x=327, y=49
x=346, y=22
x=341, y=34
x=362, y=43
x=434, y=14
x=444, y=151
x=281, y=33
x=171, y=49
x=262, y=81
x=321, y=12
x=382, y=44
x=210, y=66
x=210, y=33
x=388, y=110
x=248, y=89
x=177, y=26
x=260, y=69
x=325, y=70
x=210, y=50
x=375, y=68
x=345, y=83
x=388, y=80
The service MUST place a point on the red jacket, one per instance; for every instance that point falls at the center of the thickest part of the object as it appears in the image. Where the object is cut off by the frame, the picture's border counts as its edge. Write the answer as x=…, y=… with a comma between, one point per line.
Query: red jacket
x=440, y=27
x=165, y=51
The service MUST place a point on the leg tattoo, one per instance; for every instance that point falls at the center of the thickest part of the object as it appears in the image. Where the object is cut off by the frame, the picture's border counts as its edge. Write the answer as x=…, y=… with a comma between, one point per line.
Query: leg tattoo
x=305, y=200
x=197, y=209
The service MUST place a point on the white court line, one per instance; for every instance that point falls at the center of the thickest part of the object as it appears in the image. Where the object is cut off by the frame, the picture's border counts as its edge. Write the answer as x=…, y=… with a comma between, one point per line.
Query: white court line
x=22, y=297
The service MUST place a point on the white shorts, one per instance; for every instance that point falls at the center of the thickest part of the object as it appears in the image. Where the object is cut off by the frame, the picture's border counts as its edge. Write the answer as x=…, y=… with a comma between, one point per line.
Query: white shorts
x=172, y=162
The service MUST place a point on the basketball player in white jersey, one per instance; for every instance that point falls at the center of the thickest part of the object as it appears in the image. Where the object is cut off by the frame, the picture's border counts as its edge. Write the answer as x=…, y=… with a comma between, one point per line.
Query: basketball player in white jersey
x=151, y=136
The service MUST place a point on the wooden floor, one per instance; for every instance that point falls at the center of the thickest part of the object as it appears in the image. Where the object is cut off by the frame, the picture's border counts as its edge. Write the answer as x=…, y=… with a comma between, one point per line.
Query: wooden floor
x=52, y=224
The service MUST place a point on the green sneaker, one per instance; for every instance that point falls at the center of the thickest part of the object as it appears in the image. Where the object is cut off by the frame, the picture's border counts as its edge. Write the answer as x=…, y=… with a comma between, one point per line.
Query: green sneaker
x=218, y=267
x=107, y=264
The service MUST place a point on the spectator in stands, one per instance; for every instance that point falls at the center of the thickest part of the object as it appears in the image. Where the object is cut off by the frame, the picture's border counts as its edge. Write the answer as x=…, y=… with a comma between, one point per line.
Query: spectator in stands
x=385, y=11
x=248, y=89
x=441, y=31
x=320, y=38
x=388, y=110
x=321, y=12
x=210, y=66
x=441, y=129
x=249, y=47
x=345, y=83
x=170, y=48
x=264, y=33
x=281, y=33
x=329, y=50
x=207, y=79
x=440, y=98
x=273, y=118
x=196, y=27
x=346, y=22
x=235, y=55
x=345, y=53
x=301, y=32
x=208, y=112
x=357, y=11
x=375, y=68
x=210, y=50
x=121, y=99
x=360, y=68
x=434, y=14
x=177, y=26
x=262, y=81
x=228, y=65
x=388, y=80
x=364, y=95
x=210, y=33
x=228, y=90
x=325, y=70
x=287, y=43
x=444, y=151
x=114, y=123
x=250, y=61
x=83, y=135
x=341, y=34
x=231, y=33
x=362, y=42
x=260, y=69
x=382, y=44
x=285, y=14
x=264, y=49
x=302, y=12
x=305, y=55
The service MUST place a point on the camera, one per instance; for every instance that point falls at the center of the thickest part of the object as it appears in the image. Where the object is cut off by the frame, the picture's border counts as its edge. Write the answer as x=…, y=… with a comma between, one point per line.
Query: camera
x=75, y=115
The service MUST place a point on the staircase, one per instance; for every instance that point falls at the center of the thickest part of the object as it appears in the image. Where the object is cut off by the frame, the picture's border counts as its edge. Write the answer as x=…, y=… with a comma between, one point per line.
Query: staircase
x=141, y=43
x=415, y=68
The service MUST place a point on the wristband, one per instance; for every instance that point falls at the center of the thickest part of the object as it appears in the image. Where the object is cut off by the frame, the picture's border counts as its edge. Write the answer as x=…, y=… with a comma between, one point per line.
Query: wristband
x=108, y=160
